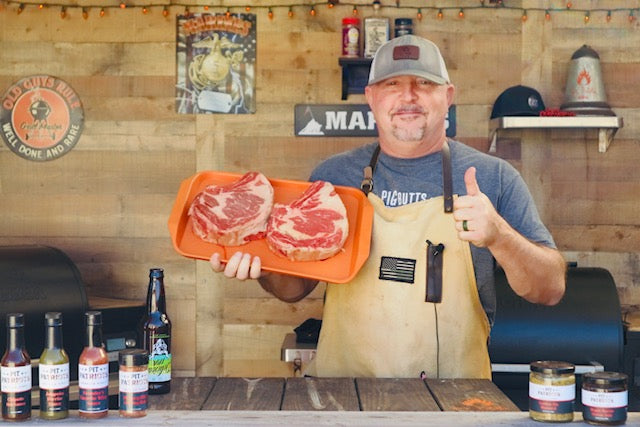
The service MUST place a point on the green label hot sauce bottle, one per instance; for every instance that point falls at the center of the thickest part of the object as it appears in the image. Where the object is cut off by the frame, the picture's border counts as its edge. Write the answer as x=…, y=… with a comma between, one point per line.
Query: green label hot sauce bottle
x=53, y=371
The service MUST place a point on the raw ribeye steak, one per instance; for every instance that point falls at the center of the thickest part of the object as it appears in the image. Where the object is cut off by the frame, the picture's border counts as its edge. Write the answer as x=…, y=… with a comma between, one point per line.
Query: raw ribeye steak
x=311, y=228
x=233, y=214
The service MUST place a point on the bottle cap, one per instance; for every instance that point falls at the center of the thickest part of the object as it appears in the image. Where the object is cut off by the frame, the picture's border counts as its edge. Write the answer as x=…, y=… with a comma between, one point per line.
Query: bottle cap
x=15, y=320
x=93, y=318
x=133, y=357
x=351, y=20
x=53, y=318
x=156, y=272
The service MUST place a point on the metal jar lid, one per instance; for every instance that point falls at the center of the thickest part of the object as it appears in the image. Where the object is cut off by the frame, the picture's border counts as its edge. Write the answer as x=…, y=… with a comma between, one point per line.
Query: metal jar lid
x=605, y=379
x=133, y=357
x=552, y=367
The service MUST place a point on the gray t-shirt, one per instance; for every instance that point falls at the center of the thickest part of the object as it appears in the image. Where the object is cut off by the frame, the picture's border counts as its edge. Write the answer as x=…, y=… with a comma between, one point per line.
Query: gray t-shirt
x=401, y=181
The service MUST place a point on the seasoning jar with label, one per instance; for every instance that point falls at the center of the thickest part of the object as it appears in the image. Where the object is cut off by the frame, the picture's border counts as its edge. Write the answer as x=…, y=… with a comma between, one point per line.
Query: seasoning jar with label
x=402, y=27
x=351, y=37
x=552, y=391
x=604, y=398
x=133, y=379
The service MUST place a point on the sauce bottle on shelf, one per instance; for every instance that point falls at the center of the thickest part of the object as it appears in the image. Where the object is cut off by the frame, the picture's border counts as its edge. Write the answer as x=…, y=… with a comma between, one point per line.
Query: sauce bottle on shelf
x=93, y=371
x=155, y=334
x=53, y=371
x=15, y=372
x=376, y=31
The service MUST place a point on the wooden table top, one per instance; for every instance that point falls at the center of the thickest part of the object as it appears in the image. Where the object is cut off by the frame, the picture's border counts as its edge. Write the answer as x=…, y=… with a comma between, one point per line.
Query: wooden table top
x=332, y=394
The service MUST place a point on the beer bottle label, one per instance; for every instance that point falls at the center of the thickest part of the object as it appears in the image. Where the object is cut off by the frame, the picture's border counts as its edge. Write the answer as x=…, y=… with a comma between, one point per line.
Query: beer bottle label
x=16, y=390
x=93, y=387
x=54, y=387
x=160, y=359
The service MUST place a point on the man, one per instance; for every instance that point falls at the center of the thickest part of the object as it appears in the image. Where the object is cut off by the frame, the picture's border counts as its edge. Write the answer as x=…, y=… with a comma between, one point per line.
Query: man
x=424, y=300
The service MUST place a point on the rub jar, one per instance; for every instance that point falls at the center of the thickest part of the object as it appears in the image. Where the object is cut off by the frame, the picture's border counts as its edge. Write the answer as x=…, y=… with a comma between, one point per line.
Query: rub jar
x=552, y=391
x=604, y=398
x=351, y=37
x=134, y=382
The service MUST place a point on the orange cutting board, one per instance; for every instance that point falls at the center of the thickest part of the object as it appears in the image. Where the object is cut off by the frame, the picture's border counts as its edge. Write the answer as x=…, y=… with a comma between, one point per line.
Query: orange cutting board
x=340, y=268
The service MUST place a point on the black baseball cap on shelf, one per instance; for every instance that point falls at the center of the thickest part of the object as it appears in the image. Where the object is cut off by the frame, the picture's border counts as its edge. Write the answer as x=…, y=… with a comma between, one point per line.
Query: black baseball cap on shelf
x=518, y=101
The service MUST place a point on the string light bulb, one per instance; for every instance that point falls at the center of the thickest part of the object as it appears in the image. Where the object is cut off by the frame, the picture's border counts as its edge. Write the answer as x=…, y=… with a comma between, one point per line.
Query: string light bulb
x=376, y=4
x=569, y=5
x=165, y=11
x=270, y=13
x=206, y=8
x=332, y=3
x=144, y=10
x=228, y=13
x=247, y=8
x=608, y=17
x=587, y=17
x=85, y=13
x=312, y=12
x=440, y=14
x=524, y=17
x=547, y=15
x=290, y=13
x=102, y=12
x=419, y=14
x=41, y=6
x=123, y=5
x=461, y=13
x=631, y=18
x=20, y=8
x=63, y=12
x=354, y=12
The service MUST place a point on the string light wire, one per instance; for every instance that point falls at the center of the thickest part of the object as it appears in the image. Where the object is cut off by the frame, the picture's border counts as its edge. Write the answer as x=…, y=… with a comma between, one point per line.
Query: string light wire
x=439, y=10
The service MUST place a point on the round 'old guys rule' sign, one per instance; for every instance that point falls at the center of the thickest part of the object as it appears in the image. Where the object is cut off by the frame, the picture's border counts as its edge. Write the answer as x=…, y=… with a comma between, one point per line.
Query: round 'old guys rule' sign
x=41, y=118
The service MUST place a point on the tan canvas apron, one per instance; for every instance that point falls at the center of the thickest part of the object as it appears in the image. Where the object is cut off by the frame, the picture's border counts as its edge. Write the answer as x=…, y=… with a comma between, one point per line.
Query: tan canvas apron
x=375, y=327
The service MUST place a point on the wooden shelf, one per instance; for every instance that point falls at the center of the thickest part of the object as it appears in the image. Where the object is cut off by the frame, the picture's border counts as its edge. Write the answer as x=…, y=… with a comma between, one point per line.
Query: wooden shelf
x=607, y=126
x=355, y=75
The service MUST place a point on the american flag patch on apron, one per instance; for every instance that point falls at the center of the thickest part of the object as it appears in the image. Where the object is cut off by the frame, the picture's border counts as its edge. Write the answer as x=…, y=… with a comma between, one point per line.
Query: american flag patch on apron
x=397, y=269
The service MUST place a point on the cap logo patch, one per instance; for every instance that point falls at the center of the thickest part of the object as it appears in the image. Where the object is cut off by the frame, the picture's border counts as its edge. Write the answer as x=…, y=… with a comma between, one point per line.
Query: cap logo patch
x=533, y=102
x=406, y=52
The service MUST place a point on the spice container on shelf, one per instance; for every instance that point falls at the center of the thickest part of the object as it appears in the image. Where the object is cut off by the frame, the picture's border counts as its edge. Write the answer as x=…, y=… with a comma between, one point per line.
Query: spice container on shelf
x=402, y=27
x=351, y=37
x=552, y=391
x=133, y=380
x=605, y=398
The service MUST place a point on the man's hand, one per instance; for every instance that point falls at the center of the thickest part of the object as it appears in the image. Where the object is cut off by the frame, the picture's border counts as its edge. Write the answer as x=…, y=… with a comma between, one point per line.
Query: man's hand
x=476, y=219
x=241, y=266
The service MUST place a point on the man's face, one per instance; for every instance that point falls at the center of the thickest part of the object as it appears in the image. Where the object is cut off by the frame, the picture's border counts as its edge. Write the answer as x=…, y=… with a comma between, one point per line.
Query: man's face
x=410, y=109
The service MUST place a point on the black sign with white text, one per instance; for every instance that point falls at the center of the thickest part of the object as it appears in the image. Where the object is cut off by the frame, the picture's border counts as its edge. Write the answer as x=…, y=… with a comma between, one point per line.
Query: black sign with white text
x=345, y=120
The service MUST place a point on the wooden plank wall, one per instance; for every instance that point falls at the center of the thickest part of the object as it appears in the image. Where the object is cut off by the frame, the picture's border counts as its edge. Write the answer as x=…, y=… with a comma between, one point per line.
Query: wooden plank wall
x=106, y=203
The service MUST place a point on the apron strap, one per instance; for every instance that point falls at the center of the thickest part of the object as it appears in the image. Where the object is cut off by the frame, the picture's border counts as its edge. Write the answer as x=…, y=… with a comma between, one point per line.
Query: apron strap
x=367, y=183
x=447, y=185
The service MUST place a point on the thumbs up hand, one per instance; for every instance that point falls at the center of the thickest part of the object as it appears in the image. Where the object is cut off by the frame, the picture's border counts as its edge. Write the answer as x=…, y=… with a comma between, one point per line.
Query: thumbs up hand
x=476, y=219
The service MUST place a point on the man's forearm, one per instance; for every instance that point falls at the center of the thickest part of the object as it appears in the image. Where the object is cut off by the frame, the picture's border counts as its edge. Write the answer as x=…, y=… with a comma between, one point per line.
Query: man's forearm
x=535, y=272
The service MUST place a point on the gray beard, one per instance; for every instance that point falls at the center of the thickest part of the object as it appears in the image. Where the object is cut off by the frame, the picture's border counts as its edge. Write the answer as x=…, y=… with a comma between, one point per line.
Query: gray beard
x=407, y=135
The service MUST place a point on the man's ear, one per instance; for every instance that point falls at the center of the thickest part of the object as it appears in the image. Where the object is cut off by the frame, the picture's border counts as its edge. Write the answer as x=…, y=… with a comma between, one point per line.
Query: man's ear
x=367, y=94
x=451, y=92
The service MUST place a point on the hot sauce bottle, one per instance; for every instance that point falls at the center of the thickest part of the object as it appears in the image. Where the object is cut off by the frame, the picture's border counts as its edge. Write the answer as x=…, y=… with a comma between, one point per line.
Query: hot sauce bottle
x=53, y=371
x=15, y=372
x=93, y=371
x=155, y=333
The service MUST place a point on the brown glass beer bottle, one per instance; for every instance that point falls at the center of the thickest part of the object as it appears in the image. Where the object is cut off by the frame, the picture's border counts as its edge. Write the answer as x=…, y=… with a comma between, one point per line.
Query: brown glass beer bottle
x=15, y=372
x=155, y=334
x=93, y=371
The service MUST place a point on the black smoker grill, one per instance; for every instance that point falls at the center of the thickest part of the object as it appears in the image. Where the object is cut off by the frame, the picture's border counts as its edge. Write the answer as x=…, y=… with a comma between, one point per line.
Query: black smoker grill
x=36, y=279
x=585, y=329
